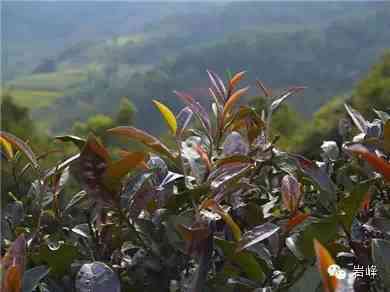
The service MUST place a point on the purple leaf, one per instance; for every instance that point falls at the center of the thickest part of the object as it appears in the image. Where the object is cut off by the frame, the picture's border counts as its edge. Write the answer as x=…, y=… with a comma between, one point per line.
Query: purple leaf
x=227, y=172
x=196, y=108
x=275, y=104
x=183, y=119
x=218, y=85
x=235, y=144
x=257, y=234
x=311, y=169
x=291, y=193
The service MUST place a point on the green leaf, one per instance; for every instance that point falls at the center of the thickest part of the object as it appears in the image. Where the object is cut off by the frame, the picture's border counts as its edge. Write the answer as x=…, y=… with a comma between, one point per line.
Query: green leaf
x=245, y=260
x=57, y=260
x=381, y=256
x=168, y=116
x=75, y=200
x=33, y=276
x=323, y=230
x=349, y=206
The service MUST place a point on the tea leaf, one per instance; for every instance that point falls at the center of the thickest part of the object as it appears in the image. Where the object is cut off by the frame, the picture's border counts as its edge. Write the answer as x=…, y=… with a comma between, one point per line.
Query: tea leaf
x=256, y=235
x=22, y=146
x=233, y=100
x=79, y=142
x=7, y=148
x=168, y=116
x=33, y=276
x=324, y=260
x=144, y=138
x=378, y=163
x=211, y=204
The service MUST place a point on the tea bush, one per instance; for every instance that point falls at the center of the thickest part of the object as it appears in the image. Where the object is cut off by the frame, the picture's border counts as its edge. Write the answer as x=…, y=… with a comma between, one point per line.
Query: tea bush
x=221, y=209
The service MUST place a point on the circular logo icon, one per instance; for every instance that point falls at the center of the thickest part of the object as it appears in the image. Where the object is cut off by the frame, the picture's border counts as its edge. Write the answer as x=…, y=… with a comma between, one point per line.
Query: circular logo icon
x=341, y=274
x=332, y=269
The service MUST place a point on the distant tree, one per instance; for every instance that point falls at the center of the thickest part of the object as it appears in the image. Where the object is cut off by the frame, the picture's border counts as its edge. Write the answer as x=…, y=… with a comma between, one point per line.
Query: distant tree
x=126, y=113
x=97, y=124
x=374, y=90
x=286, y=122
x=15, y=118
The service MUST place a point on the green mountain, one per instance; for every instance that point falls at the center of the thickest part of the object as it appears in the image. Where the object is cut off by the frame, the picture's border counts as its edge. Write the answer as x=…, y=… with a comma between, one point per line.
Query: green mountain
x=144, y=52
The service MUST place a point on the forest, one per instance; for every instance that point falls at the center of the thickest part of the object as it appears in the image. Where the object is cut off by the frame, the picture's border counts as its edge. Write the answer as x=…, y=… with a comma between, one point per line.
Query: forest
x=149, y=154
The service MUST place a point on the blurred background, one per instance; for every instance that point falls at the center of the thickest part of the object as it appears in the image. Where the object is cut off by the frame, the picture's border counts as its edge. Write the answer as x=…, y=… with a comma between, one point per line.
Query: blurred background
x=76, y=66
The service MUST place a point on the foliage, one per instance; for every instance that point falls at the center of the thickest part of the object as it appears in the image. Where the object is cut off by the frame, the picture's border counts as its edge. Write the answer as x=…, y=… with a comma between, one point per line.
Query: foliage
x=371, y=93
x=221, y=209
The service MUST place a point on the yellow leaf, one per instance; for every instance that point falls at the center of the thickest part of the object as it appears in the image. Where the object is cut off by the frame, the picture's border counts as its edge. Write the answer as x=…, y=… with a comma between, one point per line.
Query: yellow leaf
x=212, y=204
x=324, y=260
x=6, y=146
x=386, y=136
x=168, y=116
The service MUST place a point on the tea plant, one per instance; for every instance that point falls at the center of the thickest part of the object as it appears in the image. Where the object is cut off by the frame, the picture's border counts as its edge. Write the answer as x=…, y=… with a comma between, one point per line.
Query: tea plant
x=223, y=209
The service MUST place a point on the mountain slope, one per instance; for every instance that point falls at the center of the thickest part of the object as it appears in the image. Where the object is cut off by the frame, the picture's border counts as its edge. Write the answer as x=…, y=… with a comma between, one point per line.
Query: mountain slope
x=329, y=61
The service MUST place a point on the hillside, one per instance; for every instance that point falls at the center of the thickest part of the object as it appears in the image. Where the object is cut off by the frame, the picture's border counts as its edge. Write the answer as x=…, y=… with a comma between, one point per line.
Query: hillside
x=329, y=60
x=326, y=46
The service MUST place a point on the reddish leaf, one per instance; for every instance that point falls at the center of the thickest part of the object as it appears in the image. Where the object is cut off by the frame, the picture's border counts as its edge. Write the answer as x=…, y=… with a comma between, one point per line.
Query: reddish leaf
x=366, y=202
x=295, y=221
x=117, y=169
x=324, y=260
x=233, y=100
x=234, y=81
x=13, y=263
x=89, y=168
x=378, y=163
x=144, y=138
x=13, y=280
